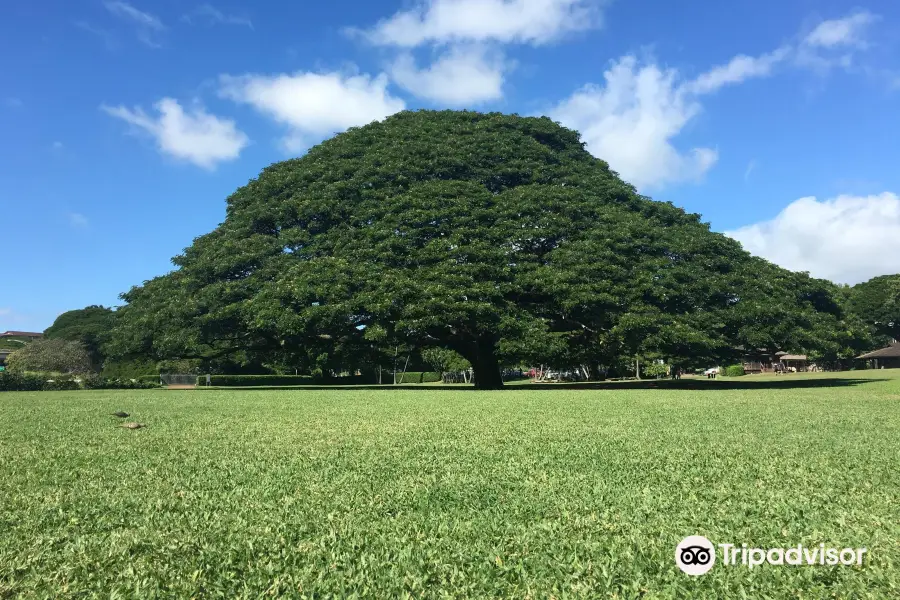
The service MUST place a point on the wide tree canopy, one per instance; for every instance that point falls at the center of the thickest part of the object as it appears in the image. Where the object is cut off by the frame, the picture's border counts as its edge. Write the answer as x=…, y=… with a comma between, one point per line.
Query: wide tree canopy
x=877, y=302
x=496, y=236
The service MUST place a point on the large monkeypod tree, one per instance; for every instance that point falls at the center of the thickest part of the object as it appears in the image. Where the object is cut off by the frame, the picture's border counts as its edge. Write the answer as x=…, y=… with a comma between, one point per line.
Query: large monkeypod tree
x=496, y=236
x=877, y=302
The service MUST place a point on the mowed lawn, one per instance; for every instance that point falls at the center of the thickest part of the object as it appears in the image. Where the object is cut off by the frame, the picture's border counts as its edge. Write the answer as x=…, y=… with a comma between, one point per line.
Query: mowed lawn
x=524, y=493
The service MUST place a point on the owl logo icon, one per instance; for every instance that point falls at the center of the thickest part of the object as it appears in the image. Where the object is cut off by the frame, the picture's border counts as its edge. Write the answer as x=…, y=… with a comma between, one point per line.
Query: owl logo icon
x=695, y=555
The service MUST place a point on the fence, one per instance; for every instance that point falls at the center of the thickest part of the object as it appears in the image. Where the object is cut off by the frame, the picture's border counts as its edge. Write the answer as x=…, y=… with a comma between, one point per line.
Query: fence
x=178, y=379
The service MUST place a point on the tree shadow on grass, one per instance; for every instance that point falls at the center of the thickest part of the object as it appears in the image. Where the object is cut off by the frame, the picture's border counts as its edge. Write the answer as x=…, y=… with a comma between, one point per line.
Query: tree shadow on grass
x=705, y=385
x=709, y=385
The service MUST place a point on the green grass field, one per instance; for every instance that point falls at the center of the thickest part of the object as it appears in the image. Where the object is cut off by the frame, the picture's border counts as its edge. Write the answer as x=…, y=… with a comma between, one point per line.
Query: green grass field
x=525, y=493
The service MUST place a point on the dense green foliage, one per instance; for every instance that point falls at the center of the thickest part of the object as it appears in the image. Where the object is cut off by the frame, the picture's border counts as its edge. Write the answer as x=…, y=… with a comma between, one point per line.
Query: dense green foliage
x=12, y=381
x=409, y=493
x=654, y=369
x=129, y=369
x=418, y=377
x=90, y=326
x=51, y=356
x=282, y=380
x=734, y=371
x=498, y=237
x=443, y=360
x=14, y=342
x=877, y=303
x=20, y=382
x=104, y=383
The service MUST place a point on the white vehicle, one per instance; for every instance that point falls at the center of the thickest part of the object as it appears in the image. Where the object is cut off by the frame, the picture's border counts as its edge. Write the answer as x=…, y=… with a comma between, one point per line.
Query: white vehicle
x=712, y=371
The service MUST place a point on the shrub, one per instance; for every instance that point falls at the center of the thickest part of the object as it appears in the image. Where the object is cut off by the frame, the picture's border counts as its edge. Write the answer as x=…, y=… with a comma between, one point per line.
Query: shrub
x=431, y=377
x=58, y=385
x=418, y=377
x=18, y=382
x=34, y=382
x=106, y=383
x=655, y=369
x=281, y=380
x=734, y=371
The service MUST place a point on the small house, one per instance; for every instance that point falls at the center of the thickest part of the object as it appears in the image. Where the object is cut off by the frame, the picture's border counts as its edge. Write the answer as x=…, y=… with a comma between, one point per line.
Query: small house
x=886, y=358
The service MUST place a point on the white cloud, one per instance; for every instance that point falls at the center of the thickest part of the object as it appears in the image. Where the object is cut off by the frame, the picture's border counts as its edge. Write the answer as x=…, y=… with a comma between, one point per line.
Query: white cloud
x=522, y=21
x=78, y=220
x=127, y=11
x=841, y=32
x=630, y=121
x=57, y=145
x=460, y=77
x=738, y=69
x=847, y=239
x=212, y=15
x=835, y=43
x=313, y=105
x=196, y=136
x=5, y=311
x=149, y=26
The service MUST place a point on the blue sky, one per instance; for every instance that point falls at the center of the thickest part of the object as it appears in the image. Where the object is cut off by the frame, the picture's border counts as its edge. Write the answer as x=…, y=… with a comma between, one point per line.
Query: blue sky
x=125, y=125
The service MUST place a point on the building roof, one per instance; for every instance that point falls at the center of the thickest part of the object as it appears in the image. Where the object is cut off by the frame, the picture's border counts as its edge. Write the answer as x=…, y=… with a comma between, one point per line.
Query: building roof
x=21, y=334
x=793, y=357
x=892, y=351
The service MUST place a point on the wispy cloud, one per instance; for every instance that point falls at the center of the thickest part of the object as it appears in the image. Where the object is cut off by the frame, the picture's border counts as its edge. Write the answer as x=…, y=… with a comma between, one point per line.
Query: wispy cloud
x=149, y=26
x=78, y=220
x=209, y=14
x=506, y=21
x=108, y=38
x=5, y=311
x=848, y=31
x=751, y=166
x=127, y=11
x=737, y=70
x=57, y=145
x=835, y=43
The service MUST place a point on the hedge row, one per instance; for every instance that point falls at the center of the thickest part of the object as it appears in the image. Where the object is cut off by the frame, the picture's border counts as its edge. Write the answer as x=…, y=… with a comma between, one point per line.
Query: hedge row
x=418, y=377
x=281, y=380
x=14, y=382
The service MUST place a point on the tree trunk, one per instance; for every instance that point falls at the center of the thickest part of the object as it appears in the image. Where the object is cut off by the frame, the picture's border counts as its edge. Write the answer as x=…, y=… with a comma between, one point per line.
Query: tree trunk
x=483, y=356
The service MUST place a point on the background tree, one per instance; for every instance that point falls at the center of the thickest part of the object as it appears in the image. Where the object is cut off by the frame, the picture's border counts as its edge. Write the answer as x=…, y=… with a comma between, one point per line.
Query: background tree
x=90, y=326
x=445, y=361
x=497, y=237
x=51, y=356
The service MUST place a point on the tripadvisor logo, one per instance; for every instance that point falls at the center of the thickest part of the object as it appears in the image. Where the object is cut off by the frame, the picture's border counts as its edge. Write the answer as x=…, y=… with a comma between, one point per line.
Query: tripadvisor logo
x=696, y=555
